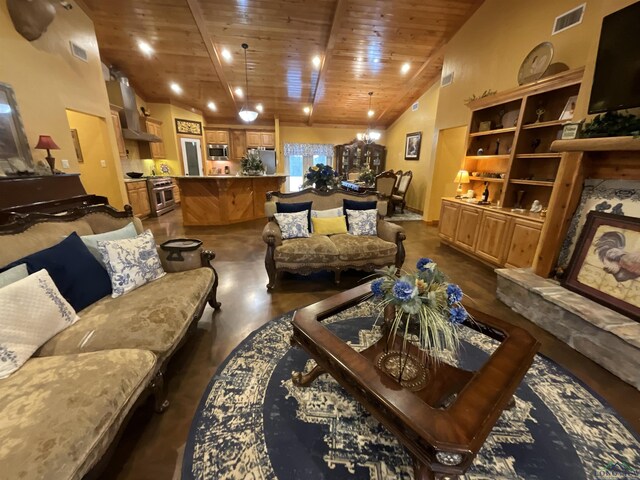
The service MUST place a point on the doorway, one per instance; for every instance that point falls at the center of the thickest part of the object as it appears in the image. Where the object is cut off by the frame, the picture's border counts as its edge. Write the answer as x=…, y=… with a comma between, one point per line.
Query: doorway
x=191, y=156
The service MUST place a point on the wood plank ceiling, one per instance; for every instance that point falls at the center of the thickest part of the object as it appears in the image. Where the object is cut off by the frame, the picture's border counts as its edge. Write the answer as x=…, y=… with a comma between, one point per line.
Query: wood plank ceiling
x=362, y=45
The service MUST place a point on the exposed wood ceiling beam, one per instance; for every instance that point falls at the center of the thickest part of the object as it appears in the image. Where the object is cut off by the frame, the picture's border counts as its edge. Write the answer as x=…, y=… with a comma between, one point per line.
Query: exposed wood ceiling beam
x=331, y=41
x=438, y=51
x=214, y=55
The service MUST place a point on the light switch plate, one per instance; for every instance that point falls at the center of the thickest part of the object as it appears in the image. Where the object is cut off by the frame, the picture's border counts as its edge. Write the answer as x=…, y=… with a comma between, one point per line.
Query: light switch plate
x=65, y=163
x=103, y=163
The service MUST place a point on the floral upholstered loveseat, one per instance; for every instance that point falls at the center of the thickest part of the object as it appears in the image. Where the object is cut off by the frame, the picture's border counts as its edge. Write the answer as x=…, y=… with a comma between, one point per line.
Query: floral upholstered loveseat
x=335, y=253
x=63, y=409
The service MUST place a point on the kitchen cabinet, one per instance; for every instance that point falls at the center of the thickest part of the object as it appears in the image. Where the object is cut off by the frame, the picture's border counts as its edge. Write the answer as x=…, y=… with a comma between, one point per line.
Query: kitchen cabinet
x=139, y=198
x=238, y=144
x=467, y=231
x=157, y=148
x=261, y=139
x=523, y=241
x=496, y=236
x=115, y=119
x=217, y=137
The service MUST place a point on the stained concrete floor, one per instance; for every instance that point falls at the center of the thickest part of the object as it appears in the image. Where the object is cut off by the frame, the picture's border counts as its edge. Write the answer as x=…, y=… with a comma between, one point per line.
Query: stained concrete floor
x=151, y=444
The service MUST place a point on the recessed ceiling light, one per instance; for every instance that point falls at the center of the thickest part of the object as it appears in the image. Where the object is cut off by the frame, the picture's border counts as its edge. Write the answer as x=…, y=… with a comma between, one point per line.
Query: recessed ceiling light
x=259, y=107
x=239, y=93
x=316, y=61
x=226, y=54
x=145, y=48
x=175, y=87
x=371, y=113
x=405, y=68
x=212, y=106
x=358, y=59
x=376, y=60
x=306, y=110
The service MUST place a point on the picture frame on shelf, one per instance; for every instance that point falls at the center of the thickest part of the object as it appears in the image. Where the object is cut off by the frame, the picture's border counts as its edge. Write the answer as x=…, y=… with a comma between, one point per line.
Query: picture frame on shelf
x=412, y=145
x=485, y=126
x=14, y=146
x=569, y=108
x=605, y=263
x=188, y=127
x=571, y=131
x=76, y=145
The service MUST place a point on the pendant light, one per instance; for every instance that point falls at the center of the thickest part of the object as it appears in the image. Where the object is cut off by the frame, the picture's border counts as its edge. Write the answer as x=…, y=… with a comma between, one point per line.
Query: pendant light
x=246, y=113
x=369, y=136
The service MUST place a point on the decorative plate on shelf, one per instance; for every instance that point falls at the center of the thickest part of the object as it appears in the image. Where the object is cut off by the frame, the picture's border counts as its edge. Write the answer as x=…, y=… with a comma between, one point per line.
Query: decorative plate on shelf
x=535, y=63
x=510, y=119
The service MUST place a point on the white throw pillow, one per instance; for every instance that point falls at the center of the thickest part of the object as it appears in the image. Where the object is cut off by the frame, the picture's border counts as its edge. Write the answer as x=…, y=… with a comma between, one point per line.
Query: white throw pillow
x=13, y=275
x=362, y=222
x=131, y=262
x=91, y=241
x=32, y=310
x=293, y=225
x=330, y=213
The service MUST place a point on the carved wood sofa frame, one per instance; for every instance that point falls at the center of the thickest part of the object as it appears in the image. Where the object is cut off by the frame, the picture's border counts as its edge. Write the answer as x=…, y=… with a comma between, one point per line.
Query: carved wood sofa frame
x=20, y=222
x=269, y=261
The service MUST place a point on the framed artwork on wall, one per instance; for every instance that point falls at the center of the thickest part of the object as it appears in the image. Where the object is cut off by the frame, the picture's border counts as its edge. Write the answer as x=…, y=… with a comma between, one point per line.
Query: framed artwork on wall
x=188, y=127
x=76, y=145
x=605, y=265
x=15, y=154
x=412, y=146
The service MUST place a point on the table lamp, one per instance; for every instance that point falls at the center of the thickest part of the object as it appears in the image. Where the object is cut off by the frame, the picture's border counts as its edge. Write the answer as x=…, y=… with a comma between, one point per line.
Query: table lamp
x=461, y=177
x=45, y=142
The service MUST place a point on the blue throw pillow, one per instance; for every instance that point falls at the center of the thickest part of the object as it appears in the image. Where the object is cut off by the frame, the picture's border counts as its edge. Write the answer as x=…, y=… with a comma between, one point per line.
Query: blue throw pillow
x=75, y=271
x=294, y=208
x=357, y=205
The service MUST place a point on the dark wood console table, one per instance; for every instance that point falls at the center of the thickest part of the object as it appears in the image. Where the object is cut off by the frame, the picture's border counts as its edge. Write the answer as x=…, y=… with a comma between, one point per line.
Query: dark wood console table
x=445, y=424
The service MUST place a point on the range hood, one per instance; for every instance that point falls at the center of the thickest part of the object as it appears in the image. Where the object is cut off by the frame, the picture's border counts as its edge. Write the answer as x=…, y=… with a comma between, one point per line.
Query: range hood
x=122, y=95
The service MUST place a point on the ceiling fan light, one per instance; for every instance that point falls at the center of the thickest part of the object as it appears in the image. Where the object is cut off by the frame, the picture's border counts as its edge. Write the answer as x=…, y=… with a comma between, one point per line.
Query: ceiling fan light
x=248, y=115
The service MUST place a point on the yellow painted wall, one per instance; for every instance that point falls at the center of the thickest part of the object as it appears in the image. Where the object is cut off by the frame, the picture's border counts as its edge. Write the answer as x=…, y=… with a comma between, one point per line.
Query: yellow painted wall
x=450, y=149
x=48, y=80
x=487, y=51
x=422, y=120
x=94, y=143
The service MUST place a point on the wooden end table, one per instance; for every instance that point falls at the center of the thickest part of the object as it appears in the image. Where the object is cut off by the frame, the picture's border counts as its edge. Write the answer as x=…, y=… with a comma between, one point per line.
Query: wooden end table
x=443, y=425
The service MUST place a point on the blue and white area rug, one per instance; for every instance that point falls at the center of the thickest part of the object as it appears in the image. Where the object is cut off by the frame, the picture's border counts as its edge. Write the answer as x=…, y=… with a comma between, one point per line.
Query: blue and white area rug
x=253, y=423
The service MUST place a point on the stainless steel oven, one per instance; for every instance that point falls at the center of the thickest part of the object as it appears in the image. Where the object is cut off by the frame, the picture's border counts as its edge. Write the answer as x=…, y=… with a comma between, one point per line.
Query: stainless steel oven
x=217, y=152
x=160, y=195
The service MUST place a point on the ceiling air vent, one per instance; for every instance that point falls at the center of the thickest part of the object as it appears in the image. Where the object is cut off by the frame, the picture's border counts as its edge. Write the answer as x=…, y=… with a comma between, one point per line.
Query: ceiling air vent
x=79, y=52
x=447, y=80
x=570, y=19
x=414, y=107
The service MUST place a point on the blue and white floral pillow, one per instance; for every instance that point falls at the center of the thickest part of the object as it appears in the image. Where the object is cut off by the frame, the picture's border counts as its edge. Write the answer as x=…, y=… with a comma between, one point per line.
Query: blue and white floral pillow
x=293, y=225
x=362, y=222
x=131, y=262
x=32, y=310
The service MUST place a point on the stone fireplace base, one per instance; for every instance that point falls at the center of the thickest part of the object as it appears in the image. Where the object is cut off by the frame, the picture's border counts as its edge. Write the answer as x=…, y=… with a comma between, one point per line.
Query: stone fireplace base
x=607, y=337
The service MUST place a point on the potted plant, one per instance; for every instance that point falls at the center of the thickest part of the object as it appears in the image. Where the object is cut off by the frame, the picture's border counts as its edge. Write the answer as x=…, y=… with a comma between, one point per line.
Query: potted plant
x=321, y=176
x=251, y=164
x=423, y=304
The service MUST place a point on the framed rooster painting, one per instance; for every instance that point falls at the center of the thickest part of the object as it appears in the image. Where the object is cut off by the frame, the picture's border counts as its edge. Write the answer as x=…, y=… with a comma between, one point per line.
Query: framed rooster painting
x=605, y=265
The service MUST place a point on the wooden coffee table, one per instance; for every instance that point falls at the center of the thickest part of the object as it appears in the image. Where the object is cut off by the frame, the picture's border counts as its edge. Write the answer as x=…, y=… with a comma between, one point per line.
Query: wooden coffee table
x=443, y=425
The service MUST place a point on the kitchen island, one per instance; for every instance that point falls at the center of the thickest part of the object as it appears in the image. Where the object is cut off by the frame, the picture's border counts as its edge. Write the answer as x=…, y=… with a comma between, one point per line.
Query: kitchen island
x=225, y=199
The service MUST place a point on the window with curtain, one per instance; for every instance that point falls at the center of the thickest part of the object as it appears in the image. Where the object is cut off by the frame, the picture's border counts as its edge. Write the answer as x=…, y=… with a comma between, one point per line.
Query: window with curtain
x=300, y=156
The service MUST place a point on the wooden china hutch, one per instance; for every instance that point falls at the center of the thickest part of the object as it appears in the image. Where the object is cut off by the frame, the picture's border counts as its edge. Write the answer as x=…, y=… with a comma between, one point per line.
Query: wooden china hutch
x=357, y=155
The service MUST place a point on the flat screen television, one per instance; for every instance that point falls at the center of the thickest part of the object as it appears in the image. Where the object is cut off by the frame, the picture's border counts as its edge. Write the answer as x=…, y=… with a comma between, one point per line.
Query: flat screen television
x=616, y=81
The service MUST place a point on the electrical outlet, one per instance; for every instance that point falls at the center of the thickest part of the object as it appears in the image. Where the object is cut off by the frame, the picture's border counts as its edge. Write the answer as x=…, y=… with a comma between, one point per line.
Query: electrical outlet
x=103, y=163
x=65, y=163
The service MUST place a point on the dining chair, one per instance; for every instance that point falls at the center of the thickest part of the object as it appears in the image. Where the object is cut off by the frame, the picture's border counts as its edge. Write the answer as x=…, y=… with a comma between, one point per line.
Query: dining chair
x=401, y=192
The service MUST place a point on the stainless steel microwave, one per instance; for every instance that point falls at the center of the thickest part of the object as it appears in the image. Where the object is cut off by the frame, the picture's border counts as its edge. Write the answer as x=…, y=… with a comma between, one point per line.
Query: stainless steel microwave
x=218, y=152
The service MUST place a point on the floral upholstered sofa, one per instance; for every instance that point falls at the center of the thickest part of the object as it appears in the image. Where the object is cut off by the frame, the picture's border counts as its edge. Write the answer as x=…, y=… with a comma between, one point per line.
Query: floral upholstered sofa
x=337, y=252
x=64, y=408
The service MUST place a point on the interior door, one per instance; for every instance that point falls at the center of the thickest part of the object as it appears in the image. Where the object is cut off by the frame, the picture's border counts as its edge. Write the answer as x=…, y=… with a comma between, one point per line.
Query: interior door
x=191, y=156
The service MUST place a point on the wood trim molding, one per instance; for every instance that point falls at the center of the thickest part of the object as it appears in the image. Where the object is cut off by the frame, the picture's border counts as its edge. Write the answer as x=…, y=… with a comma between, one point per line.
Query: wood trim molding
x=214, y=55
x=328, y=53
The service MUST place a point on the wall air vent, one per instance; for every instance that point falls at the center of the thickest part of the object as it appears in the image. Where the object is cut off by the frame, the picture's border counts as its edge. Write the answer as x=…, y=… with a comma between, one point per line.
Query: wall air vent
x=569, y=19
x=414, y=107
x=446, y=79
x=79, y=52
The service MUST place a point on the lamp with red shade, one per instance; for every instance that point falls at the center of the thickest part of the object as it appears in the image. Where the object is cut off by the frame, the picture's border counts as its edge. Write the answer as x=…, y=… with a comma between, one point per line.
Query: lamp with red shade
x=45, y=142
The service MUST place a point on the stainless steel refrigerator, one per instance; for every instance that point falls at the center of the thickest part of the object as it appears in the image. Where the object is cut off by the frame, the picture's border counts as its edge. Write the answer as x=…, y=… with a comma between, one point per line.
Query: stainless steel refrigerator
x=268, y=157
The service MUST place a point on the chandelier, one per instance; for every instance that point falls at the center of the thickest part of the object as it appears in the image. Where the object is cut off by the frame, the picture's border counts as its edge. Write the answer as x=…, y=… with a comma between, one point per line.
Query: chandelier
x=246, y=113
x=369, y=136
